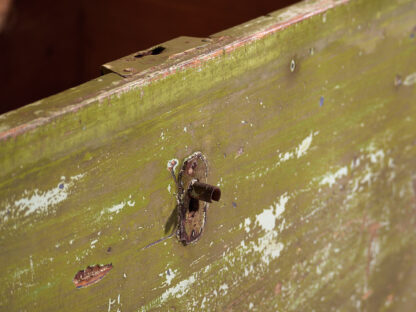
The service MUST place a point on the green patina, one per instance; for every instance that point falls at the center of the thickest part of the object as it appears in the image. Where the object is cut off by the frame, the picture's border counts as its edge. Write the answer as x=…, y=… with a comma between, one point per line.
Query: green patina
x=336, y=179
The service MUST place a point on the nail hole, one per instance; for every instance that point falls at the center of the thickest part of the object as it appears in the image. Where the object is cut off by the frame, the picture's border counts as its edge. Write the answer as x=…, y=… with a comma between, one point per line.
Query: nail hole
x=292, y=65
x=154, y=51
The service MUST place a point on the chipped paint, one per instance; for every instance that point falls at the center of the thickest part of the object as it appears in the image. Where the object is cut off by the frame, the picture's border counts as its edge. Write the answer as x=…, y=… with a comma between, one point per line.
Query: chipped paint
x=179, y=289
x=247, y=223
x=330, y=178
x=93, y=243
x=39, y=202
x=91, y=275
x=249, y=258
x=116, y=208
x=267, y=219
x=410, y=79
x=224, y=289
x=266, y=248
x=169, y=275
x=294, y=153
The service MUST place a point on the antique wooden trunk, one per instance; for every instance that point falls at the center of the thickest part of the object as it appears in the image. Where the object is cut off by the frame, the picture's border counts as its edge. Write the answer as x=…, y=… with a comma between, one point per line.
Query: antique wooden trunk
x=306, y=122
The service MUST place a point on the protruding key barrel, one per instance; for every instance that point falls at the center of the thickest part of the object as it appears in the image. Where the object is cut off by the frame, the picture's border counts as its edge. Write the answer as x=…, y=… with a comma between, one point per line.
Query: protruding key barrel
x=204, y=192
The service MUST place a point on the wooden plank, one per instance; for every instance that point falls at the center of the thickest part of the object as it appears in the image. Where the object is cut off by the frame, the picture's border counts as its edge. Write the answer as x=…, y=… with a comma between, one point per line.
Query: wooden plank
x=306, y=117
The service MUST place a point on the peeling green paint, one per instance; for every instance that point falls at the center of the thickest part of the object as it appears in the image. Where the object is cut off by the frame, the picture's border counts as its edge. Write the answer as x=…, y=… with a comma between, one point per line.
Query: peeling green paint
x=324, y=215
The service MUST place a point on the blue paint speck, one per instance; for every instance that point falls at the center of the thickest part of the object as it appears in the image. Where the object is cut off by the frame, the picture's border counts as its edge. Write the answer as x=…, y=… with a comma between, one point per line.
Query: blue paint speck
x=234, y=204
x=412, y=35
x=61, y=186
x=321, y=101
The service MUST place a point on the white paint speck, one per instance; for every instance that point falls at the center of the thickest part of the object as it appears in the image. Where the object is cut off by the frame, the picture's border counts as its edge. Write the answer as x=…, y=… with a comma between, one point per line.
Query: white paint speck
x=31, y=266
x=224, y=288
x=247, y=223
x=266, y=248
x=330, y=178
x=304, y=146
x=180, y=289
x=286, y=156
x=410, y=79
x=318, y=270
x=37, y=201
x=170, y=275
x=267, y=219
x=203, y=302
x=110, y=303
x=40, y=201
x=116, y=208
x=299, y=151
x=93, y=243
x=376, y=156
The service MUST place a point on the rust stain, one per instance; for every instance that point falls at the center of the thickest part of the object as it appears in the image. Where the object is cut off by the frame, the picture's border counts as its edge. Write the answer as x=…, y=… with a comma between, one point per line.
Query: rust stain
x=91, y=275
x=219, y=46
x=389, y=299
x=367, y=295
x=365, y=225
x=346, y=227
x=372, y=229
x=239, y=152
x=278, y=289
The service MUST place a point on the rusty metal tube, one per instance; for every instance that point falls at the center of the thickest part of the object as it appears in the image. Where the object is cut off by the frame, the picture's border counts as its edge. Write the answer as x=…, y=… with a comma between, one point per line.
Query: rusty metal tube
x=204, y=192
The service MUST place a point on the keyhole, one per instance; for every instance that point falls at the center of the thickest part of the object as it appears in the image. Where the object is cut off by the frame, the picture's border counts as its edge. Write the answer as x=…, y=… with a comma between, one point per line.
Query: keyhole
x=193, y=204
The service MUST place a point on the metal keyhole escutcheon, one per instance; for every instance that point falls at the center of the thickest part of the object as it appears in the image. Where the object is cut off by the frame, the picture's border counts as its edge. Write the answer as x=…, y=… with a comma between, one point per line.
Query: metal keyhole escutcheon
x=194, y=194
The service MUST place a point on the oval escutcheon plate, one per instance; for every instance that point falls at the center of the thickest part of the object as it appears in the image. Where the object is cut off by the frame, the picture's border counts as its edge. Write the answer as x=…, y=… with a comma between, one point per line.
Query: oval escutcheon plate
x=191, y=212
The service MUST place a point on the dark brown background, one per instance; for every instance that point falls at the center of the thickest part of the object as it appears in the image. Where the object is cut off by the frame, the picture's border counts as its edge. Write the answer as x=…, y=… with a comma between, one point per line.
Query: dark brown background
x=47, y=46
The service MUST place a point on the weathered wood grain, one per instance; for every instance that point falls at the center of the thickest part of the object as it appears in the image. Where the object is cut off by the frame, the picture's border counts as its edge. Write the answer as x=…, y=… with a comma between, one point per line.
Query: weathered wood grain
x=307, y=120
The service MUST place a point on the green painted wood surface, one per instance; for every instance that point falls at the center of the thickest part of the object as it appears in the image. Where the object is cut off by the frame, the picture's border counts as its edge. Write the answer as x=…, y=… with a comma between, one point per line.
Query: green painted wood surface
x=316, y=166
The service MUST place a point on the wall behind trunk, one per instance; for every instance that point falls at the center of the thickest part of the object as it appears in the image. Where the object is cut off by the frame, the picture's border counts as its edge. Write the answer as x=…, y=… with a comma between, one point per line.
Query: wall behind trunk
x=47, y=46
